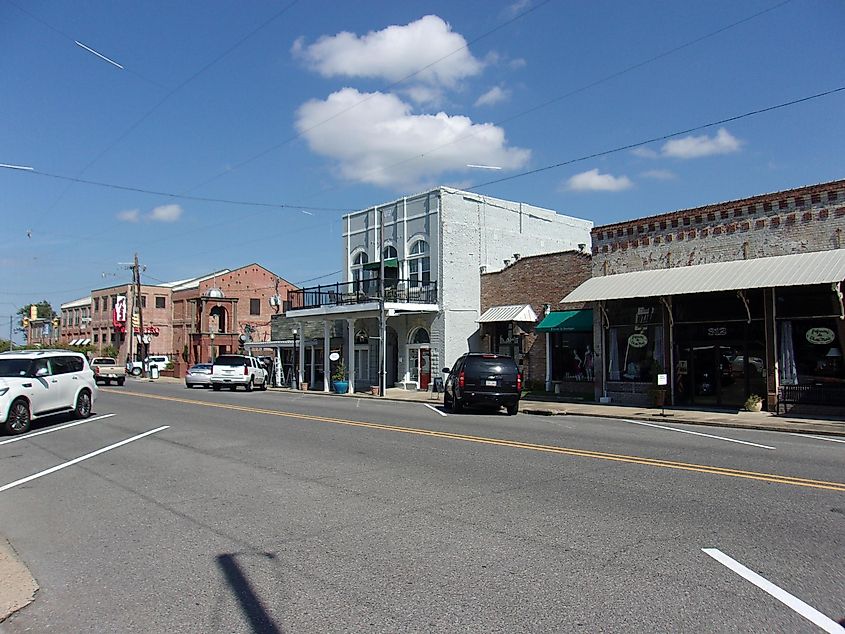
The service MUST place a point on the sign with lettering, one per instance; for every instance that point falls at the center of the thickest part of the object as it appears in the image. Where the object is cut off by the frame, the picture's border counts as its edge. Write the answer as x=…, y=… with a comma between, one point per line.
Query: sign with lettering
x=663, y=379
x=717, y=332
x=637, y=340
x=820, y=336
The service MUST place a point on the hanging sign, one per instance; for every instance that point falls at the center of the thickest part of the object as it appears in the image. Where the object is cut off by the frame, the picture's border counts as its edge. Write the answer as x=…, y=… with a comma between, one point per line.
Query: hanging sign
x=119, y=311
x=820, y=336
x=637, y=340
x=334, y=356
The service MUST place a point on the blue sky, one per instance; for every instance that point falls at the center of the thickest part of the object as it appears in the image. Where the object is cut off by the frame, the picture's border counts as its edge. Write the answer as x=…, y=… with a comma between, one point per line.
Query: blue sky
x=329, y=106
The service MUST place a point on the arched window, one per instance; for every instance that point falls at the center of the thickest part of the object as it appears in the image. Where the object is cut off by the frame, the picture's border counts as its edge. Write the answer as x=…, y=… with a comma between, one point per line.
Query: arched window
x=419, y=335
x=358, y=263
x=419, y=264
x=390, y=252
x=361, y=337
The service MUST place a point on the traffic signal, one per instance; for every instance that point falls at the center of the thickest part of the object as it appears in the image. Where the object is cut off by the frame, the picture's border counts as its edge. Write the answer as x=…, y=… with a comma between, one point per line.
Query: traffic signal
x=25, y=322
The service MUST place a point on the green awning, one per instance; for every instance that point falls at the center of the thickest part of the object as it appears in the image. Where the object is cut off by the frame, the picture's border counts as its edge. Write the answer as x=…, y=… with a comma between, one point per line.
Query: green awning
x=567, y=321
x=389, y=263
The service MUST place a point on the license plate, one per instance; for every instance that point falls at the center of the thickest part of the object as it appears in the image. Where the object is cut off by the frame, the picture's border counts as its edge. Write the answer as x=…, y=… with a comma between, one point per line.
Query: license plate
x=490, y=383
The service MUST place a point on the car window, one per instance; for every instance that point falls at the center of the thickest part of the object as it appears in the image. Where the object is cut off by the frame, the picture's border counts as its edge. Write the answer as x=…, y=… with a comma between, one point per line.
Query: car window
x=40, y=364
x=15, y=367
x=60, y=365
x=76, y=364
x=483, y=365
x=231, y=359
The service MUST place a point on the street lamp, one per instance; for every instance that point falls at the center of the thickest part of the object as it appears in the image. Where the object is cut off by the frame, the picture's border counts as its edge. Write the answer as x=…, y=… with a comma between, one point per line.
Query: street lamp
x=295, y=373
x=213, y=356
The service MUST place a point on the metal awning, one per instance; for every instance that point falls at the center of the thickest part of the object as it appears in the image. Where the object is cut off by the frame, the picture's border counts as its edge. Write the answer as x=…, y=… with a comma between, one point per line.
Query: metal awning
x=516, y=312
x=799, y=269
x=73, y=342
x=389, y=263
x=567, y=321
x=84, y=342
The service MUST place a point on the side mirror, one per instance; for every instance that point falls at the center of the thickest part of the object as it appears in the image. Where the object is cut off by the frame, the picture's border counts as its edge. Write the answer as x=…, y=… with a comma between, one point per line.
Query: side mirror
x=445, y=370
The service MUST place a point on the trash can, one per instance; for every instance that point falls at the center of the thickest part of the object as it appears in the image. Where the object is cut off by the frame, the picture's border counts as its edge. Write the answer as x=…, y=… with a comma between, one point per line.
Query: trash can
x=154, y=371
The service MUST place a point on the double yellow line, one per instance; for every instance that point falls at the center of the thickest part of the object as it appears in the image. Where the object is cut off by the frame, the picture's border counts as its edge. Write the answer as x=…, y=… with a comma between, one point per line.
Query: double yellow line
x=583, y=453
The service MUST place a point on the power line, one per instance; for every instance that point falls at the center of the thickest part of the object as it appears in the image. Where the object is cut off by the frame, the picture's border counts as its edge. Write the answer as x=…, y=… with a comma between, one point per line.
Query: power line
x=254, y=157
x=576, y=91
x=662, y=137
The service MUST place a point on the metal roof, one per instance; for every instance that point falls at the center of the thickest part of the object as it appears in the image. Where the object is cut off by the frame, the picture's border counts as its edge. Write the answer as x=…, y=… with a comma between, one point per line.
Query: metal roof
x=798, y=269
x=85, y=301
x=516, y=312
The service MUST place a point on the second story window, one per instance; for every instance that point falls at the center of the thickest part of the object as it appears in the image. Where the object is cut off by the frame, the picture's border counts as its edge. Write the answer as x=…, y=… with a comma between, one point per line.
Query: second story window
x=358, y=263
x=419, y=264
x=254, y=306
x=96, y=305
x=161, y=302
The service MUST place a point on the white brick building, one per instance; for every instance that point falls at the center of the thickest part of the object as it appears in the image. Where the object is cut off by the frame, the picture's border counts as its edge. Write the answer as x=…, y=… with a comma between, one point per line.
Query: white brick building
x=435, y=244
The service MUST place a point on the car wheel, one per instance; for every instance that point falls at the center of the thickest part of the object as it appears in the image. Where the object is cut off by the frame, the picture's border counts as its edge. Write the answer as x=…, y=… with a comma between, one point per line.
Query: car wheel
x=121, y=381
x=457, y=405
x=17, y=422
x=83, y=404
x=512, y=409
x=447, y=404
x=249, y=385
x=215, y=387
x=264, y=384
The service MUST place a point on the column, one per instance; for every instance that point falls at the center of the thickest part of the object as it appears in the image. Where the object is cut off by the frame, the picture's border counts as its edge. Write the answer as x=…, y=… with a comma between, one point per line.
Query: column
x=313, y=366
x=769, y=317
x=350, y=351
x=300, y=369
x=548, y=362
x=326, y=362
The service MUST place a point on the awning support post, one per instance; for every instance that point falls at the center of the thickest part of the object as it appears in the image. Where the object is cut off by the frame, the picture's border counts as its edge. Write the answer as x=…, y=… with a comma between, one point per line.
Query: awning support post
x=741, y=295
x=837, y=288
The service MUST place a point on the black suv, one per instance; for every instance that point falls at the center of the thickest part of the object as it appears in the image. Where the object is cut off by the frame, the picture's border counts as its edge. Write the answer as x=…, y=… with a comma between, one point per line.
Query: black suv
x=483, y=379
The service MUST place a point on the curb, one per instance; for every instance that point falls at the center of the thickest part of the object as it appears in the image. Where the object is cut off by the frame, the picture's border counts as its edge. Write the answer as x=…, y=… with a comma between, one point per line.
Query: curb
x=17, y=586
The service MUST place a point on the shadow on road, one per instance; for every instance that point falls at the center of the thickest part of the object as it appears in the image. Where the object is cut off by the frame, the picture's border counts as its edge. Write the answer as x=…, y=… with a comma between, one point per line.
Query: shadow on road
x=251, y=605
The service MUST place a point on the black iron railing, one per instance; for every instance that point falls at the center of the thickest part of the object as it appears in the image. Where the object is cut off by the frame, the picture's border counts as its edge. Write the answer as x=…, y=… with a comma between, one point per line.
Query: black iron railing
x=363, y=292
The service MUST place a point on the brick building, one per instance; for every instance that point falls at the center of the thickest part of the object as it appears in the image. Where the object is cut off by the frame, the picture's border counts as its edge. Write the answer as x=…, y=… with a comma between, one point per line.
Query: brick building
x=75, y=324
x=728, y=300
x=511, y=301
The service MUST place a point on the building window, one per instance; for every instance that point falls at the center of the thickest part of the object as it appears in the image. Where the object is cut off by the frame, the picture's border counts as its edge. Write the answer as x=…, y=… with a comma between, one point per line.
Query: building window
x=635, y=341
x=96, y=338
x=419, y=264
x=390, y=252
x=143, y=301
x=254, y=306
x=161, y=302
x=96, y=304
x=358, y=263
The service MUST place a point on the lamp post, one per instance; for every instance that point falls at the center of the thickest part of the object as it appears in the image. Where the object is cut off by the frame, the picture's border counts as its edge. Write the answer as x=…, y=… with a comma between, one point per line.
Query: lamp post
x=213, y=355
x=295, y=380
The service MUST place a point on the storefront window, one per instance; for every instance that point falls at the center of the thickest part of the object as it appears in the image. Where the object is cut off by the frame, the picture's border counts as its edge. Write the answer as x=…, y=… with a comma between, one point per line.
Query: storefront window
x=811, y=351
x=505, y=340
x=634, y=340
x=572, y=356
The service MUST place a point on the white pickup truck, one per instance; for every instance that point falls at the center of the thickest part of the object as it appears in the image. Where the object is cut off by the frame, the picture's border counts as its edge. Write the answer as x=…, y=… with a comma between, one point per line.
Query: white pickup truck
x=107, y=370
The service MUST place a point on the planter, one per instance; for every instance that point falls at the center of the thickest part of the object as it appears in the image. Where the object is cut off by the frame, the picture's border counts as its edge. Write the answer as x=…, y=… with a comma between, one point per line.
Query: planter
x=754, y=407
x=659, y=397
x=374, y=390
x=341, y=387
x=303, y=386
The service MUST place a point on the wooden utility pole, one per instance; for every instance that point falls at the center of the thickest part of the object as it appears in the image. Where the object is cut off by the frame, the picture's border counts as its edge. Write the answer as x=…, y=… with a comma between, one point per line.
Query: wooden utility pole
x=144, y=347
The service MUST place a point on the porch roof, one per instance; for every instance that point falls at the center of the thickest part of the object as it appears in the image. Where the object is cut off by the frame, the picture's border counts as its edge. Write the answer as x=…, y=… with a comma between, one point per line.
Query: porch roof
x=513, y=312
x=798, y=269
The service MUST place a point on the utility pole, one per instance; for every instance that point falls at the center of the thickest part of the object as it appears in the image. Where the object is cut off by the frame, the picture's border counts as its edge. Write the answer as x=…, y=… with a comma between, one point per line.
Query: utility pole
x=382, y=320
x=143, y=342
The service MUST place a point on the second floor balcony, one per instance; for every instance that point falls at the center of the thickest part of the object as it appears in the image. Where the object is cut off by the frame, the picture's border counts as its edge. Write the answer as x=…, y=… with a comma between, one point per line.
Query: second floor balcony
x=396, y=291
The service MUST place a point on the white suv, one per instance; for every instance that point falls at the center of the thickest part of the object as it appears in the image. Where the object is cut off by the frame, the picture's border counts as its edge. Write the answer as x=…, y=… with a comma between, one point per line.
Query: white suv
x=233, y=370
x=36, y=383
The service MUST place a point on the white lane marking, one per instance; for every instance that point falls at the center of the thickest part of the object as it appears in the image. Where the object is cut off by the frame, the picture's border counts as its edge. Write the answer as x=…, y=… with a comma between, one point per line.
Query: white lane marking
x=697, y=433
x=808, y=612
x=358, y=403
x=817, y=437
x=434, y=409
x=52, y=429
x=80, y=459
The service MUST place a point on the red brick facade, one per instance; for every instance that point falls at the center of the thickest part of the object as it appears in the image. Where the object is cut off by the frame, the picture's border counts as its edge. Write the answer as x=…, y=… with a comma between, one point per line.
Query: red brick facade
x=537, y=280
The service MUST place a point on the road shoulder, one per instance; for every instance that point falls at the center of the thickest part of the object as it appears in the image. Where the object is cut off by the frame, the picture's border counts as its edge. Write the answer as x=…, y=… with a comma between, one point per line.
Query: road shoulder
x=17, y=586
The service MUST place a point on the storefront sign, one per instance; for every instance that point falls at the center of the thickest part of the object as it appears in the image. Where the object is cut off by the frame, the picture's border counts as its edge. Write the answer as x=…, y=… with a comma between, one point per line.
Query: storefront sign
x=820, y=336
x=637, y=341
x=717, y=332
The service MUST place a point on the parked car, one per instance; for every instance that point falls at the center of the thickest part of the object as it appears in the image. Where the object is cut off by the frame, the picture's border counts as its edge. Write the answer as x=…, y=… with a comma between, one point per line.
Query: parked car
x=107, y=370
x=37, y=383
x=233, y=370
x=199, y=374
x=483, y=379
x=136, y=368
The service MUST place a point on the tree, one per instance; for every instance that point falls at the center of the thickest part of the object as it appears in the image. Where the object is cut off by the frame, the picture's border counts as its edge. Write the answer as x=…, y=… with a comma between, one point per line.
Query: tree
x=45, y=311
x=4, y=345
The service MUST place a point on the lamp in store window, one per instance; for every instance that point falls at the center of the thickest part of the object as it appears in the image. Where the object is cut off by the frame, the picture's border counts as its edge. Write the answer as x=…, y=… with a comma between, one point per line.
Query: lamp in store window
x=833, y=358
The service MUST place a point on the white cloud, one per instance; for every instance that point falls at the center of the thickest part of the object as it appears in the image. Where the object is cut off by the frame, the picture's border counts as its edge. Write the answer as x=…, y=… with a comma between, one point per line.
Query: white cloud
x=166, y=213
x=394, y=53
x=129, y=215
x=697, y=146
x=644, y=152
x=660, y=175
x=517, y=7
x=493, y=96
x=373, y=143
x=592, y=180
x=517, y=63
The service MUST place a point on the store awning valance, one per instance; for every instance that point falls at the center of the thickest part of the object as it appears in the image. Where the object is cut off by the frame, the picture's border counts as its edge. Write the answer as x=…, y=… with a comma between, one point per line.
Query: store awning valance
x=516, y=312
x=389, y=263
x=73, y=342
x=84, y=342
x=567, y=321
x=798, y=269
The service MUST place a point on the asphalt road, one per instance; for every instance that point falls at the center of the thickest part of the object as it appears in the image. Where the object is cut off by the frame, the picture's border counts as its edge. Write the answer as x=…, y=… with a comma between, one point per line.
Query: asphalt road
x=282, y=512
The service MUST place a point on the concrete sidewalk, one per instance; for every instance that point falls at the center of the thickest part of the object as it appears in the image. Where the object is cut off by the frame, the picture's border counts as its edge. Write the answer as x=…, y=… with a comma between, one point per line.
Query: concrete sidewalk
x=716, y=418
x=17, y=587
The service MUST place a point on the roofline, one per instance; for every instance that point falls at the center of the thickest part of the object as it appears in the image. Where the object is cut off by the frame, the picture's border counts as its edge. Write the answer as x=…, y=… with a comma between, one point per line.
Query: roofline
x=755, y=199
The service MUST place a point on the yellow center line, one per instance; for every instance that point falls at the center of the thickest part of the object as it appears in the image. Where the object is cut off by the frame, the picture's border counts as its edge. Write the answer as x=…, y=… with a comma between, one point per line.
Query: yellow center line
x=514, y=444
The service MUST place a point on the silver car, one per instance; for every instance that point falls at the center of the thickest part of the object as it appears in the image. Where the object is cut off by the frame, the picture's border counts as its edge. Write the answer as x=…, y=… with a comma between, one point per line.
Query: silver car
x=199, y=374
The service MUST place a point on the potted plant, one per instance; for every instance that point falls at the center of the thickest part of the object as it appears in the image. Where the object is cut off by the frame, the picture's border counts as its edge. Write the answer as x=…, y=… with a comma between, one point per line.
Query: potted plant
x=341, y=385
x=754, y=403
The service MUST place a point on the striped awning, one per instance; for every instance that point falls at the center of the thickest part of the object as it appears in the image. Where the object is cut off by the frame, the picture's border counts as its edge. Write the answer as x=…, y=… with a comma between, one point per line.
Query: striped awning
x=516, y=312
x=73, y=342
x=798, y=269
